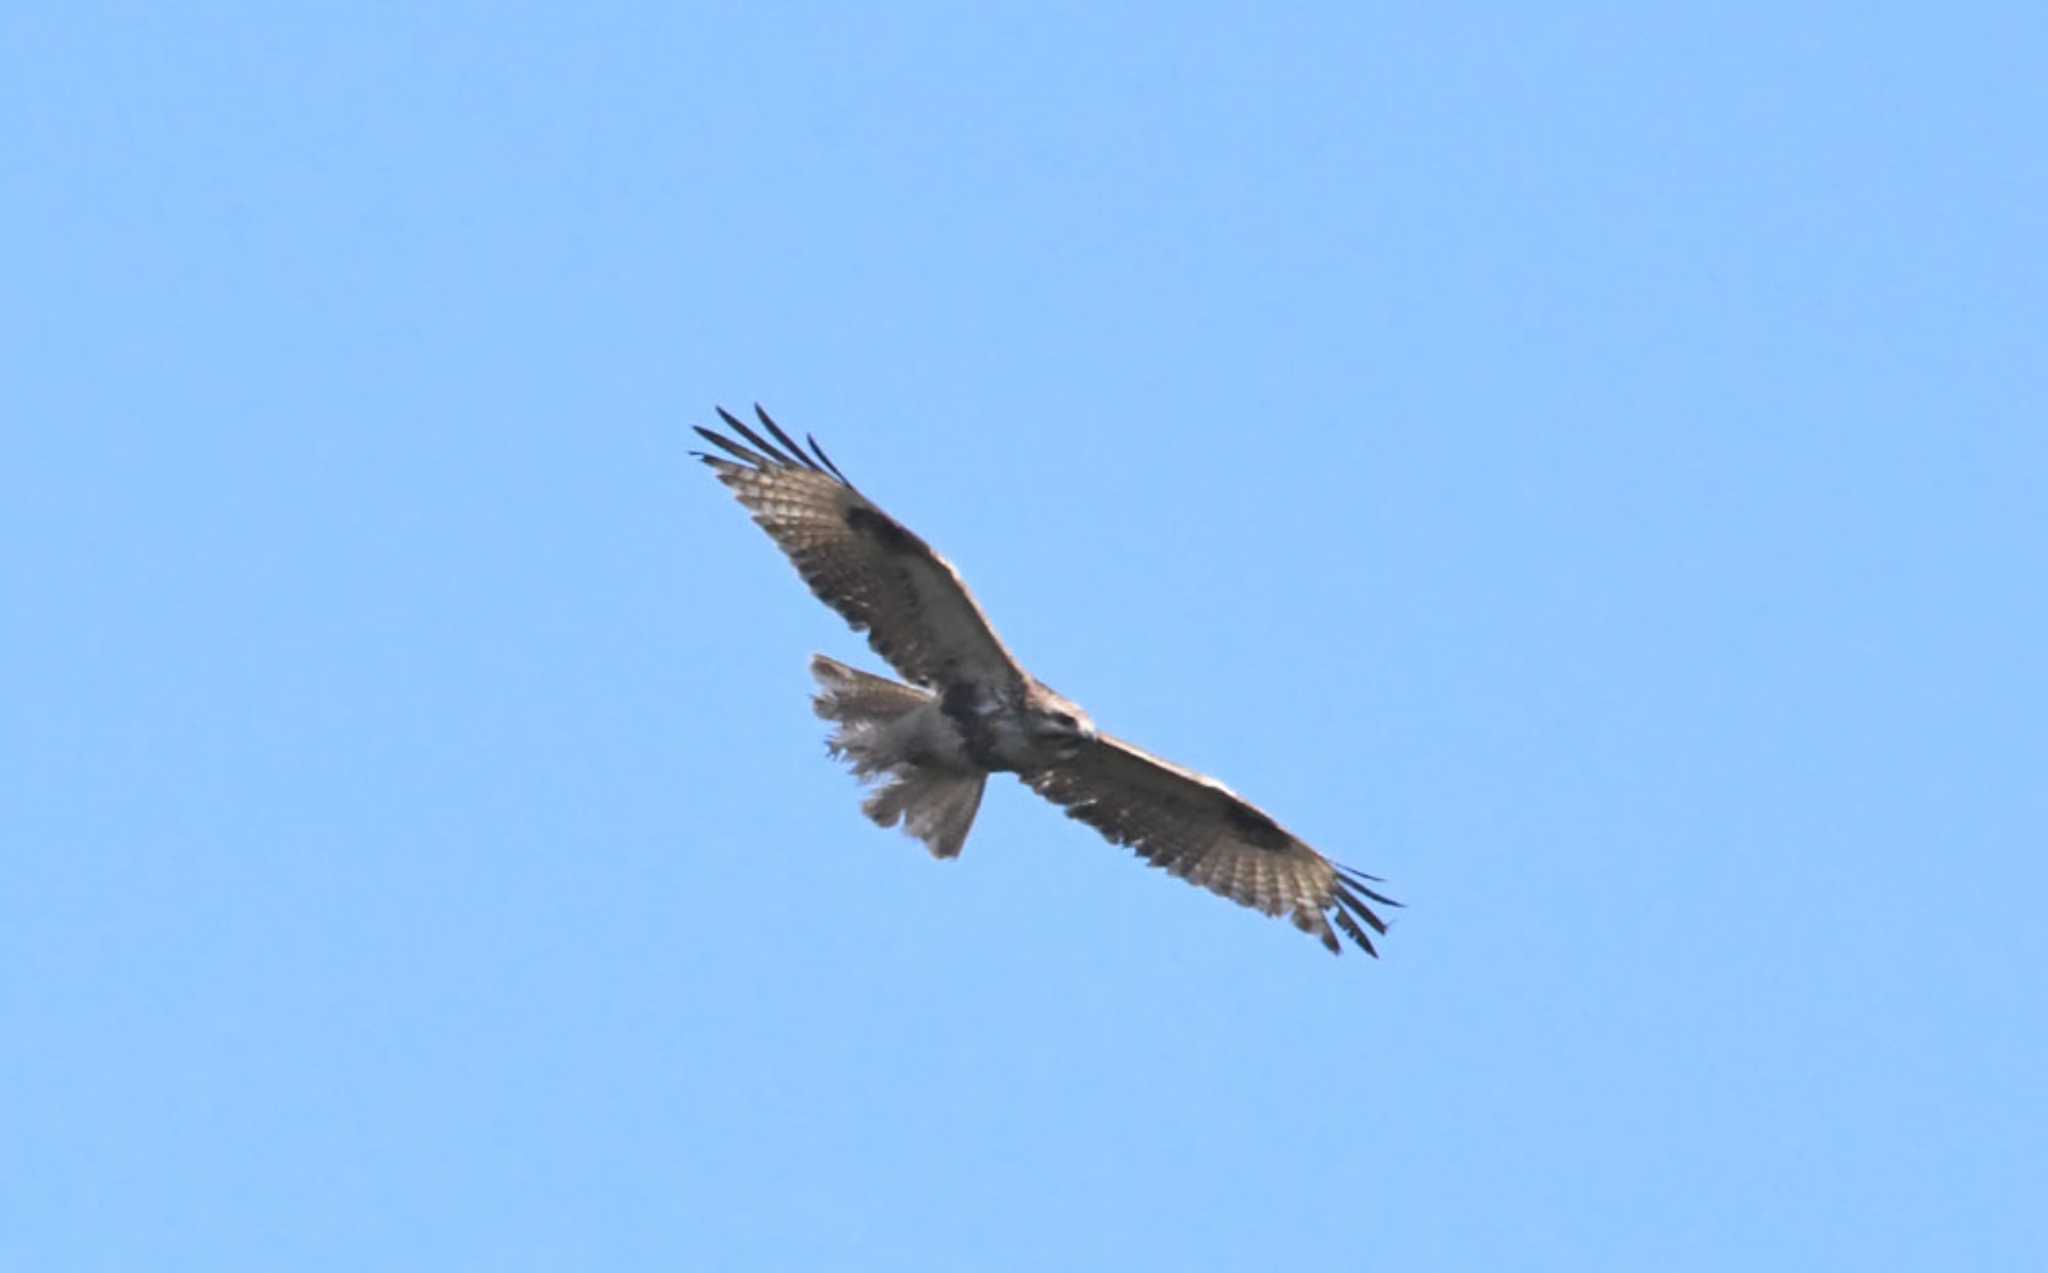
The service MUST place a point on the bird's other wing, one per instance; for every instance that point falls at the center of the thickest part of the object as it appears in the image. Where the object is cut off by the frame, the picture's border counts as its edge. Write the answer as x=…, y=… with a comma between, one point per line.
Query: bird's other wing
x=1205, y=833
x=881, y=578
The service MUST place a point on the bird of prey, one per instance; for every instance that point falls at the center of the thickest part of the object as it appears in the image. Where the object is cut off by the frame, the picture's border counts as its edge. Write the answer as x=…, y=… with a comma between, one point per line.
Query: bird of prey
x=970, y=709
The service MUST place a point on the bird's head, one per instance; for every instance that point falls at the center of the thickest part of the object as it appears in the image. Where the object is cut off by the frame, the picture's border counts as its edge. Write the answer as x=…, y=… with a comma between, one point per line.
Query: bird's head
x=1057, y=722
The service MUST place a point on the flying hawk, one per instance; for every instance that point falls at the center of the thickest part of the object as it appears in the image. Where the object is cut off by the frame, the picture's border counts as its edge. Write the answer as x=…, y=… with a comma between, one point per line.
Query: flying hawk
x=971, y=710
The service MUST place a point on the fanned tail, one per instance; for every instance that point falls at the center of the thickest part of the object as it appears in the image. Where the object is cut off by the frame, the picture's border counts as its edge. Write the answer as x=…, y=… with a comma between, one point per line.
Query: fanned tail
x=874, y=735
x=934, y=805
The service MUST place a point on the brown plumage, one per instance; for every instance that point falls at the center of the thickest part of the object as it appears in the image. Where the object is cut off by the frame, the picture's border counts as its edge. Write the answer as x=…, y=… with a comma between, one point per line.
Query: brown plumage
x=972, y=709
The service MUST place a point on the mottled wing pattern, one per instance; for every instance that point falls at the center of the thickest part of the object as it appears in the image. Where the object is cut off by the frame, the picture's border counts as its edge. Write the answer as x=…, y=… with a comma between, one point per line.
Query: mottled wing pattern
x=1200, y=830
x=881, y=578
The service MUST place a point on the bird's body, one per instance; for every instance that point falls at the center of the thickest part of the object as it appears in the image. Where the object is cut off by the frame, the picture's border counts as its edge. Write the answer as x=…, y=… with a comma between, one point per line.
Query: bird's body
x=972, y=710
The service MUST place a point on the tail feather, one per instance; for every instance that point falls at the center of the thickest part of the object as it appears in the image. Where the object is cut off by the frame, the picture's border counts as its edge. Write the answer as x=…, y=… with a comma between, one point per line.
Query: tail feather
x=847, y=693
x=932, y=803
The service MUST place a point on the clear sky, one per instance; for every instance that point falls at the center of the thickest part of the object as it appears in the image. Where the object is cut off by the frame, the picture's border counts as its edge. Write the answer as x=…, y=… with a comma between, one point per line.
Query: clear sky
x=1583, y=466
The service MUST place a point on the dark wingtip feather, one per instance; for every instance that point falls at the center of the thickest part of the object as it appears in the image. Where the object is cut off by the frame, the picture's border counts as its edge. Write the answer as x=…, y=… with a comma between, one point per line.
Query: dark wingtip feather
x=769, y=455
x=825, y=459
x=1348, y=904
x=775, y=457
x=788, y=442
x=1357, y=880
x=729, y=446
x=1357, y=934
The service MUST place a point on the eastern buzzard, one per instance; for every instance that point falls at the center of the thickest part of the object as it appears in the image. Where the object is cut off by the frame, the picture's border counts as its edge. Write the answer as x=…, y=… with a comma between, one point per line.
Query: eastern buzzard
x=970, y=709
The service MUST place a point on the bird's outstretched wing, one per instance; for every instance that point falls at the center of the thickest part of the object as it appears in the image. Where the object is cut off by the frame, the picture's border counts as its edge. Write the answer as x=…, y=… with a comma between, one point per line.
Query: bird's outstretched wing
x=1202, y=831
x=880, y=577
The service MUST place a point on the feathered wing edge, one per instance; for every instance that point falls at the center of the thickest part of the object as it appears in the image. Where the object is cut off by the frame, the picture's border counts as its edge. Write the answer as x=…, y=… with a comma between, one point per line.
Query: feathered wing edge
x=1200, y=831
x=768, y=456
x=1349, y=909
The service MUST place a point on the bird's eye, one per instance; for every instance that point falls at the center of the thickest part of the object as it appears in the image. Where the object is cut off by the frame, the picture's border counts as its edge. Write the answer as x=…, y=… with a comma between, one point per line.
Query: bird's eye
x=1065, y=721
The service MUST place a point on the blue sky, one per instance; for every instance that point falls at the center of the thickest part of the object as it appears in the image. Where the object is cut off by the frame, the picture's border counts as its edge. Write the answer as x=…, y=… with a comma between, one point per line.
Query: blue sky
x=1585, y=466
